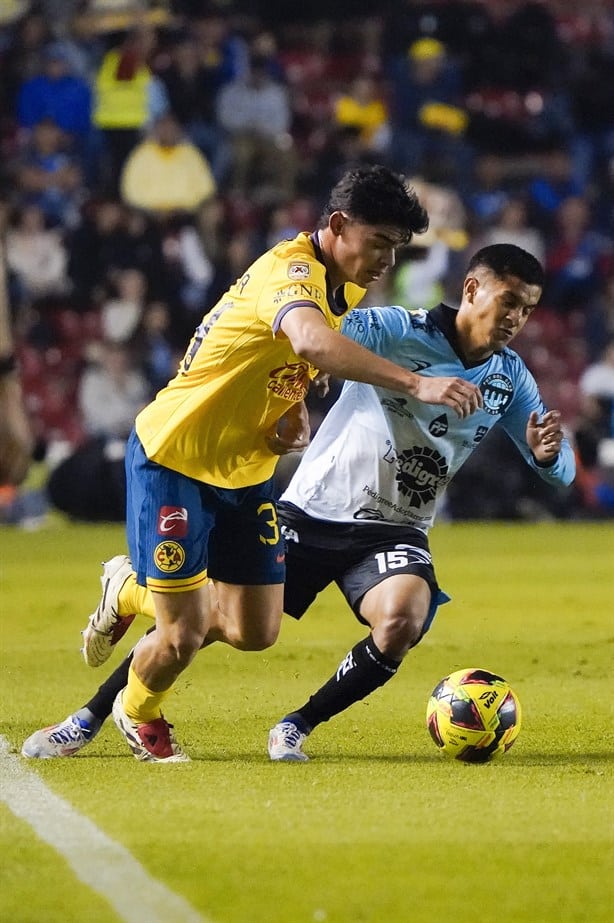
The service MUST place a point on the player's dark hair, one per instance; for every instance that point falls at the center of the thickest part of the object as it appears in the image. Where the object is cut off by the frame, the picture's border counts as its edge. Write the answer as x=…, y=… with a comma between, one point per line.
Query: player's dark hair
x=377, y=196
x=509, y=260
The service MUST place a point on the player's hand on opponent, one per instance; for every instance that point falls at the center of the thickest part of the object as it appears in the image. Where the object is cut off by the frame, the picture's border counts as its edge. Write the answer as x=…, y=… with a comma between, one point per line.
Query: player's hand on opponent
x=291, y=433
x=463, y=397
x=544, y=437
x=321, y=384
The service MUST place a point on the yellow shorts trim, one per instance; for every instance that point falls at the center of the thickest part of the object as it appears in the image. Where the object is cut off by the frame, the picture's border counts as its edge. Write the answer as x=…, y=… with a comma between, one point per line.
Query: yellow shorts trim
x=181, y=585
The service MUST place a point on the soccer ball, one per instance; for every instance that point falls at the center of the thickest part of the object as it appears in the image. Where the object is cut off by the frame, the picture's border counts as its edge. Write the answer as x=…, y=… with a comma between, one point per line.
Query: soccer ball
x=473, y=715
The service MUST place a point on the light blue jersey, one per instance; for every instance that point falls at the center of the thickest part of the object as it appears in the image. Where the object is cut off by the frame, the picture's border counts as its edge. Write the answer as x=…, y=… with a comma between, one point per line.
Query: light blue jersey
x=382, y=456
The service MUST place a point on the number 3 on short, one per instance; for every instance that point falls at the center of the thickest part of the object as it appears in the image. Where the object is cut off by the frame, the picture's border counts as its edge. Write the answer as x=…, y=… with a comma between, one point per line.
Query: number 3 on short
x=268, y=510
x=390, y=560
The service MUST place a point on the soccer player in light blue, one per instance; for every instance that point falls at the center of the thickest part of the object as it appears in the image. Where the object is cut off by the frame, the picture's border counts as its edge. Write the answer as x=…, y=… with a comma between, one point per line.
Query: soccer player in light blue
x=358, y=509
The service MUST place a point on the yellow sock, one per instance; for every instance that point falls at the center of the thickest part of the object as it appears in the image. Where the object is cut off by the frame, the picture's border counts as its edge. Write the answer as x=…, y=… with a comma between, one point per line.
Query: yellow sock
x=140, y=703
x=134, y=598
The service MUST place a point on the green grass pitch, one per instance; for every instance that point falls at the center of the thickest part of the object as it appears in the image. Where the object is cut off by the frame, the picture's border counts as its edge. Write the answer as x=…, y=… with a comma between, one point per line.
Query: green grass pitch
x=378, y=826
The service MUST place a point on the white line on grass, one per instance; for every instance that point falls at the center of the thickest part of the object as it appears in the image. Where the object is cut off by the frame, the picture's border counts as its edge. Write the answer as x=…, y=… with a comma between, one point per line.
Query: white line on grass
x=96, y=860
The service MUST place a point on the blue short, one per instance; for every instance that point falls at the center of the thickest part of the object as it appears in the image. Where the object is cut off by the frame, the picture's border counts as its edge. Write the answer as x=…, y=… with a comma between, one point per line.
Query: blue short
x=180, y=530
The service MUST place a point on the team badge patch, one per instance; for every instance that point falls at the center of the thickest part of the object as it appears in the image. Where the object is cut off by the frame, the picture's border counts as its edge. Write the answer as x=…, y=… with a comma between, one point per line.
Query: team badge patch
x=498, y=391
x=299, y=271
x=169, y=557
x=173, y=521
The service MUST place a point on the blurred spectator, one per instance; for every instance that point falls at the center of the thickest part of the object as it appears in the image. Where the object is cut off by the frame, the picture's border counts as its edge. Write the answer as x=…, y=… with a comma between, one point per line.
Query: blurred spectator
x=128, y=98
x=152, y=345
x=575, y=257
x=111, y=238
x=417, y=281
x=166, y=173
x=598, y=378
x=594, y=434
x=16, y=442
x=188, y=270
x=593, y=142
x=50, y=177
x=421, y=278
x=255, y=111
x=111, y=392
x=364, y=108
x=222, y=51
x=22, y=59
x=192, y=89
x=511, y=227
x=96, y=248
x=36, y=255
x=599, y=318
x=59, y=95
x=486, y=193
x=121, y=314
x=90, y=484
x=549, y=188
x=342, y=151
x=428, y=118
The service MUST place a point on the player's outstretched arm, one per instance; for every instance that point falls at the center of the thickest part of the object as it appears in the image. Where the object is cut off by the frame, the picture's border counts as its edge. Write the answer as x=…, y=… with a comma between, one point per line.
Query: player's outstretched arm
x=544, y=437
x=329, y=351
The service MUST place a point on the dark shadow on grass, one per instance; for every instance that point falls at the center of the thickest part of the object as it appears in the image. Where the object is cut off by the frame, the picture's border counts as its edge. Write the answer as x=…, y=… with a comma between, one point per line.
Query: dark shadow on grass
x=590, y=760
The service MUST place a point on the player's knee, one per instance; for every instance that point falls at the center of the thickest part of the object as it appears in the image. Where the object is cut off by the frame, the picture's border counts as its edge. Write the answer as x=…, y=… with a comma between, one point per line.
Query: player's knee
x=255, y=637
x=181, y=646
x=399, y=630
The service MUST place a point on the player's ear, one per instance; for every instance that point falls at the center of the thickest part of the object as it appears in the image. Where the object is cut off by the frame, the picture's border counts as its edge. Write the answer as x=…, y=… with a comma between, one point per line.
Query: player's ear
x=336, y=223
x=470, y=287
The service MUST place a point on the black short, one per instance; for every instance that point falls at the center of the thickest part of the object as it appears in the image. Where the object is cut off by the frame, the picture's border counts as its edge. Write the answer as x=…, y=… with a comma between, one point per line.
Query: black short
x=355, y=557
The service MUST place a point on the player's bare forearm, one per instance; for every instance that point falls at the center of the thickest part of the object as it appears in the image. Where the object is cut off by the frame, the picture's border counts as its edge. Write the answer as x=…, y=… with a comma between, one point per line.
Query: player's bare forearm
x=331, y=352
x=544, y=437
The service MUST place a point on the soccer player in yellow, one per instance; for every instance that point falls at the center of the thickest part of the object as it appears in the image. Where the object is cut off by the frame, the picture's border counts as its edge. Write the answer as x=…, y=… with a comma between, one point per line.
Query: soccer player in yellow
x=202, y=455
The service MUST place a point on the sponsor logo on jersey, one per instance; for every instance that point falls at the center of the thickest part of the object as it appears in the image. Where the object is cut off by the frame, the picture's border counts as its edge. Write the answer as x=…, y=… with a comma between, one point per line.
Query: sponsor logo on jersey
x=479, y=434
x=298, y=290
x=421, y=472
x=439, y=426
x=299, y=271
x=169, y=557
x=398, y=406
x=173, y=521
x=290, y=381
x=498, y=391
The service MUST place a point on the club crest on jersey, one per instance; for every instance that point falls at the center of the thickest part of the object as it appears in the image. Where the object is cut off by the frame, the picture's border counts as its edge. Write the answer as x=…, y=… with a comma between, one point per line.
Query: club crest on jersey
x=439, y=426
x=173, y=521
x=498, y=391
x=299, y=271
x=169, y=557
x=421, y=471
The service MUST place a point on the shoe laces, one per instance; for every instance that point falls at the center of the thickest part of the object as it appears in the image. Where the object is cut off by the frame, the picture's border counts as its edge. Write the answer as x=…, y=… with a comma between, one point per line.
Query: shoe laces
x=68, y=732
x=291, y=734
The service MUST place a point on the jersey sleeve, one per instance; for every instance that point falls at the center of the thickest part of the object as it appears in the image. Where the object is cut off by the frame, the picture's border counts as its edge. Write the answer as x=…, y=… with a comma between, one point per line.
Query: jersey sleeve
x=527, y=399
x=379, y=329
x=292, y=283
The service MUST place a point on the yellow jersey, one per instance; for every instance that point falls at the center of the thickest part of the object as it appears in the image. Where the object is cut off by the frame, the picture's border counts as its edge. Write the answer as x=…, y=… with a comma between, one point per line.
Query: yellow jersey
x=240, y=374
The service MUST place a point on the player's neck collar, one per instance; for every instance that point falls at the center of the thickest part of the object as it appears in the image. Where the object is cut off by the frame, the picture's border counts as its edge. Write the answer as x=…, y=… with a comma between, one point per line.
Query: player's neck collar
x=336, y=299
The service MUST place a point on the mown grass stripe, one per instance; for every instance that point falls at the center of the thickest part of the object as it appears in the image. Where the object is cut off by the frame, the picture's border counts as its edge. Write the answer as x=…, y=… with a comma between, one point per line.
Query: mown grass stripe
x=97, y=860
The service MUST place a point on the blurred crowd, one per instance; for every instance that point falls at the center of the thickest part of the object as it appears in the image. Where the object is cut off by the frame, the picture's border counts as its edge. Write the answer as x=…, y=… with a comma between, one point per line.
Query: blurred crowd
x=150, y=151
